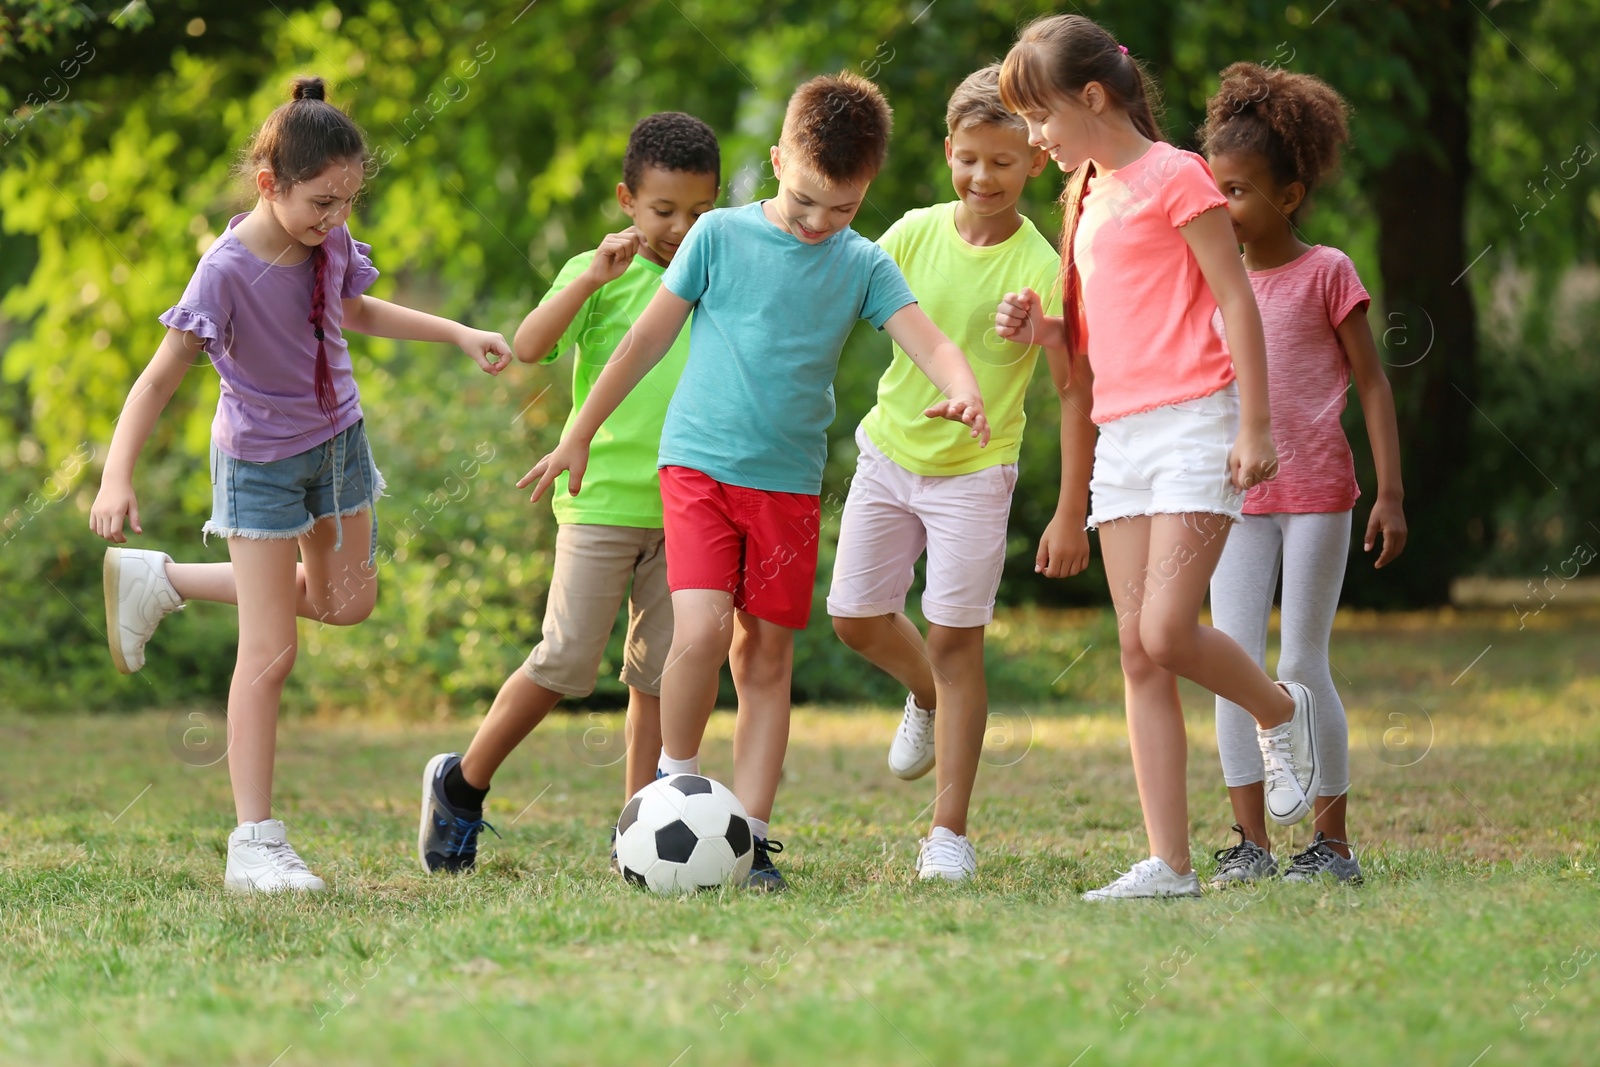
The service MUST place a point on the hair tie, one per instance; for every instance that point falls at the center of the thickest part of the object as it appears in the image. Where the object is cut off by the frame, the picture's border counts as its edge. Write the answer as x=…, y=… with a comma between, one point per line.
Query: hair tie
x=1123, y=48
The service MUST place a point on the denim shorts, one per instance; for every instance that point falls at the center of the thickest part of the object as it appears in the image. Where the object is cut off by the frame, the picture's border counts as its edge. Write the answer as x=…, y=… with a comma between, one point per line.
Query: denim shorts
x=285, y=498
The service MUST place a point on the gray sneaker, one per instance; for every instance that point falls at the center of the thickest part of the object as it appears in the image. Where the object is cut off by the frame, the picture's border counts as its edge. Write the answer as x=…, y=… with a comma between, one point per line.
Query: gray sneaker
x=1318, y=859
x=1243, y=863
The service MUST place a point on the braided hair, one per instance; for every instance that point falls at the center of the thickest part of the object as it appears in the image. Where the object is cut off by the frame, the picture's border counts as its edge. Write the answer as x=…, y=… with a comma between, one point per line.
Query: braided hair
x=297, y=142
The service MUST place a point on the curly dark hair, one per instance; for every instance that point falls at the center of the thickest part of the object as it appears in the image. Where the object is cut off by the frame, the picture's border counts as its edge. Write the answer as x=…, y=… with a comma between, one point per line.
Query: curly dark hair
x=837, y=127
x=1297, y=122
x=671, y=140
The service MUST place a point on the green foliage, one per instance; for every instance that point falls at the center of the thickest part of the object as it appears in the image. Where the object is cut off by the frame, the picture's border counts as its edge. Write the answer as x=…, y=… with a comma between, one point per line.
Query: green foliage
x=497, y=133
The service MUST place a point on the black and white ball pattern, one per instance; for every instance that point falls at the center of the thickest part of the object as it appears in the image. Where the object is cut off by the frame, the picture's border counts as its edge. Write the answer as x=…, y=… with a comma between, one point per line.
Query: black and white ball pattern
x=683, y=833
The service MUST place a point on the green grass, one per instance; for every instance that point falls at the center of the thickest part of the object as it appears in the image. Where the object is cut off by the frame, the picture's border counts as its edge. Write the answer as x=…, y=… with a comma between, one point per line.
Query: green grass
x=1473, y=943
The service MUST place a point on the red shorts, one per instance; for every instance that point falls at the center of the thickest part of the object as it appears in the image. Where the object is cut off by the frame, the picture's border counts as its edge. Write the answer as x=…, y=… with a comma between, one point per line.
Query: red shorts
x=759, y=546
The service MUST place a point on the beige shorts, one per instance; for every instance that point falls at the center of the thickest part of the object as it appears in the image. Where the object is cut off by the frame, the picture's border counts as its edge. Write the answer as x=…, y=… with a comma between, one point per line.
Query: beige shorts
x=593, y=567
x=892, y=516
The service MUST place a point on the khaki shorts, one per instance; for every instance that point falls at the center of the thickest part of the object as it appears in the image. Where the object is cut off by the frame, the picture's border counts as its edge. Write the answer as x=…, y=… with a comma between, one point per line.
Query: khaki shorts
x=593, y=567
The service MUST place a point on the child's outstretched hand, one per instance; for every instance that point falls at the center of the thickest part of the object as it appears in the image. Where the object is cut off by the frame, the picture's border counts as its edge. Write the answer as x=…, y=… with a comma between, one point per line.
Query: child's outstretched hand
x=570, y=456
x=1063, y=549
x=1389, y=520
x=480, y=344
x=1252, y=460
x=1020, y=318
x=611, y=259
x=112, y=505
x=965, y=409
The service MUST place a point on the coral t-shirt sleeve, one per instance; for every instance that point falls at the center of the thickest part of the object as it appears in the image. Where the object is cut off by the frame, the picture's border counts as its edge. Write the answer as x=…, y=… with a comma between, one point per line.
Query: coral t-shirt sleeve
x=1190, y=190
x=1345, y=293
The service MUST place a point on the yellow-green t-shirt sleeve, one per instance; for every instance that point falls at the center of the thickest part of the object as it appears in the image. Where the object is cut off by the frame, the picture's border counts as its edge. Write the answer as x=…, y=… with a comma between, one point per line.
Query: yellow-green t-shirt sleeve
x=566, y=276
x=958, y=286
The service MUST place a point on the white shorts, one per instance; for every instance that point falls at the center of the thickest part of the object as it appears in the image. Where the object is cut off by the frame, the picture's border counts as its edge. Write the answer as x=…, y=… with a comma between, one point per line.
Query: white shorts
x=1170, y=460
x=891, y=515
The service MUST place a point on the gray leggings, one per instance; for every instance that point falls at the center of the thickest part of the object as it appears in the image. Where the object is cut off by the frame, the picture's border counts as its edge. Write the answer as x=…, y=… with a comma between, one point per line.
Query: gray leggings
x=1312, y=549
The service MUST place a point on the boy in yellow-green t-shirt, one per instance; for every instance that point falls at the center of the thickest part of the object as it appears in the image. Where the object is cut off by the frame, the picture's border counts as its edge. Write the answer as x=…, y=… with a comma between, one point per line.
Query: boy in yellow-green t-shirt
x=925, y=484
x=611, y=536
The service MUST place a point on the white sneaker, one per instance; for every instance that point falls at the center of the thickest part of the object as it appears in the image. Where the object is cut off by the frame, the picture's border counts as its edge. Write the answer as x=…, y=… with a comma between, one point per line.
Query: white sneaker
x=138, y=597
x=1289, y=753
x=261, y=860
x=946, y=854
x=1148, y=878
x=911, y=754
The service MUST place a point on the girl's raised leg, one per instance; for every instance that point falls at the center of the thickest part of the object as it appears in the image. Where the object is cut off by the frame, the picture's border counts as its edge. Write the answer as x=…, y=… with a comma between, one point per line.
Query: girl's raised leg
x=1183, y=553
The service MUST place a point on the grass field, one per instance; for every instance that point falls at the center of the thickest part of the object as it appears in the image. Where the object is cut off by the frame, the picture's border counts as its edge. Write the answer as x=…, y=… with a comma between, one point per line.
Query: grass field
x=1473, y=943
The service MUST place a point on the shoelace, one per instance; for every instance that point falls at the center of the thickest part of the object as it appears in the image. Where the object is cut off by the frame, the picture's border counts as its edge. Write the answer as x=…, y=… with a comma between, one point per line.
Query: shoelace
x=1238, y=857
x=1317, y=855
x=914, y=726
x=283, y=856
x=461, y=839
x=944, y=852
x=1279, y=761
x=762, y=860
x=1138, y=874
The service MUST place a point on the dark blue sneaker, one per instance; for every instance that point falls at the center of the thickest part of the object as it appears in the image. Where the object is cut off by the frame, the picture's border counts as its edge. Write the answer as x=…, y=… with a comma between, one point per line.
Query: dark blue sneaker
x=763, y=875
x=448, y=837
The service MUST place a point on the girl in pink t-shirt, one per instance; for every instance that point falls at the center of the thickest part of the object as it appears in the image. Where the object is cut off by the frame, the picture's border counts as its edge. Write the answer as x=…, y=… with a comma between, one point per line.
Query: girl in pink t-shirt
x=291, y=471
x=1271, y=138
x=1148, y=257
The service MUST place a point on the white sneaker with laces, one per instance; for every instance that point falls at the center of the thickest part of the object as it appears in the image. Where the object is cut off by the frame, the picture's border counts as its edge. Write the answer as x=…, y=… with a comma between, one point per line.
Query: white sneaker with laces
x=911, y=755
x=261, y=860
x=138, y=596
x=1289, y=753
x=946, y=854
x=1148, y=878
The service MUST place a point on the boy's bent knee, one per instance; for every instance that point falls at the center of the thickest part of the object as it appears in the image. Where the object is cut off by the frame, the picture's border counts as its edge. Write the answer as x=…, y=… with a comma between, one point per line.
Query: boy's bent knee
x=856, y=633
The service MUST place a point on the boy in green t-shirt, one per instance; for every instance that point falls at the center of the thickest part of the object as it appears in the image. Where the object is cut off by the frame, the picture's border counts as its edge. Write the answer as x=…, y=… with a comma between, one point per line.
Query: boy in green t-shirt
x=612, y=534
x=924, y=483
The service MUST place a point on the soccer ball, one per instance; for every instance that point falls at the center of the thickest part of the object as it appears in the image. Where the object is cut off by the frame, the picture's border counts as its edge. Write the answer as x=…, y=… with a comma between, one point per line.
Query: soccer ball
x=683, y=833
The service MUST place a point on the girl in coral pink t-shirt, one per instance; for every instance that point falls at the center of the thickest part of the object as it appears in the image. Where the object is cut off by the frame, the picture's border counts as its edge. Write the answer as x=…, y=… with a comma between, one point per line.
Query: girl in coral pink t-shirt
x=1148, y=257
x=1272, y=137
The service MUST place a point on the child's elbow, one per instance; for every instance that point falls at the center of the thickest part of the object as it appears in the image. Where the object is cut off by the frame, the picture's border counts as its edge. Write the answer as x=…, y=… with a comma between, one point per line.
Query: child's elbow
x=524, y=349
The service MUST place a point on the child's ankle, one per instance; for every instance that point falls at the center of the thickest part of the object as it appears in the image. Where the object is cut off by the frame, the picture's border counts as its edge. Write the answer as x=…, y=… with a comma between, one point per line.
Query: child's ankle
x=667, y=765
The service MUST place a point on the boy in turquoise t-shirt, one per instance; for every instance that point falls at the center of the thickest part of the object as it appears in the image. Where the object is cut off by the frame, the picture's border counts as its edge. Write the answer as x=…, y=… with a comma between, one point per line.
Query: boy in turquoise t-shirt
x=918, y=485
x=613, y=534
x=775, y=287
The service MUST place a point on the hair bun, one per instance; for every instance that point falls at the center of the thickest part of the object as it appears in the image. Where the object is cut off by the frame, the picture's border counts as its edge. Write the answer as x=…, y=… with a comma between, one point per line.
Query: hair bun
x=309, y=88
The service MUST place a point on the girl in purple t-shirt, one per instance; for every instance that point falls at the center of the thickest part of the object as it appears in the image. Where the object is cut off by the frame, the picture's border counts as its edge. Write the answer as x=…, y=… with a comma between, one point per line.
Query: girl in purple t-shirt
x=291, y=471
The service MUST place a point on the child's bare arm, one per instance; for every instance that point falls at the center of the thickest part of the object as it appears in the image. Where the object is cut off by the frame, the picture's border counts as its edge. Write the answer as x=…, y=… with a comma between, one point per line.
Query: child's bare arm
x=640, y=349
x=938, y=357
x=541, y=330
x=1377, y=407
x=1064, y=547
x=116, y=501
x=379, y=318
x=1254, y=458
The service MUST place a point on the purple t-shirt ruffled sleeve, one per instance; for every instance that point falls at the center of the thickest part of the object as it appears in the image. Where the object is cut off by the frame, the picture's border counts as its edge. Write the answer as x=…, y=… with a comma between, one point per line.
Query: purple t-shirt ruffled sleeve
x=253, y=318
x=359, y=273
